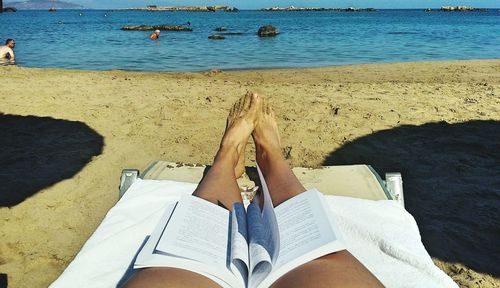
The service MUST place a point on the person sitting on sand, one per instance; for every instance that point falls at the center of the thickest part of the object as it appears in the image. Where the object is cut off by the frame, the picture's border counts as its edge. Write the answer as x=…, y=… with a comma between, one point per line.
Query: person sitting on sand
x=6, y=52
x=253, y=116
x=155, y=35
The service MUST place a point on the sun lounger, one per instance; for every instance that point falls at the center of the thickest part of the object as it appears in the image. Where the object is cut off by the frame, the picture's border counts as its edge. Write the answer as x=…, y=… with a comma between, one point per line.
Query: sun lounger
x=357, y=181
x=381, y=234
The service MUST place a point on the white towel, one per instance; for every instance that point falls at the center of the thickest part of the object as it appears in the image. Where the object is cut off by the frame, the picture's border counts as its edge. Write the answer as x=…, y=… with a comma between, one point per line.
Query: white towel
x=381, y=234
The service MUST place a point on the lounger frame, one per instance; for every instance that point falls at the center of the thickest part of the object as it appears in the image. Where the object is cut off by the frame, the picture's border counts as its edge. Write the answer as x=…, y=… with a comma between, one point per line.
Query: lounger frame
x=392, y=185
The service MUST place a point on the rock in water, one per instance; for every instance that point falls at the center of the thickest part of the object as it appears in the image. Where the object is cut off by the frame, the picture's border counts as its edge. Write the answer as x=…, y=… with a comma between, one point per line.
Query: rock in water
x=137, y=28
x=267, y=31
x=461, y=9
x=293, y=8
x=231, y=9
x=216, y=37
x=220, y=29
x=231, y=33
x=156, y=27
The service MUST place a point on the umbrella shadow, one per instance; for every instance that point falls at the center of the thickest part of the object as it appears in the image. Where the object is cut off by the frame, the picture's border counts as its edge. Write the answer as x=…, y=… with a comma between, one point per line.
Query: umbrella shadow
x=37, y=152
x=451, y=180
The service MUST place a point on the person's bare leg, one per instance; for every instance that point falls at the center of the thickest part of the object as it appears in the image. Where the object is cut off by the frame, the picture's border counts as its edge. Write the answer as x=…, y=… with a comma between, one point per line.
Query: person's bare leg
x=339, y=269
x=219, y=187
x=280, y=179
x=242, y=103
x=168, y=277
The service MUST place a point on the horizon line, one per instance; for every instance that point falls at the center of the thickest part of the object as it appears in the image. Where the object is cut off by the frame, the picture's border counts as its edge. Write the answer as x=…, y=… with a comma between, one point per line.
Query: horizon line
x=243, y=9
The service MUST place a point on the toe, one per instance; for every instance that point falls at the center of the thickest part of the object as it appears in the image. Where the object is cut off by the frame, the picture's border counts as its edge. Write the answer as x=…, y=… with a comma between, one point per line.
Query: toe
x=265, y=106
x=255, y=103
x=231, y=116
x=246, y=103
x=271, y=112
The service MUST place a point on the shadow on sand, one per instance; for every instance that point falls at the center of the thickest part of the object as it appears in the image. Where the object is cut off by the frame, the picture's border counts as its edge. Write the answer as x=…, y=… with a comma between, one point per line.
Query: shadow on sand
x=37, y=152
x=3, y=280
x=451, y=175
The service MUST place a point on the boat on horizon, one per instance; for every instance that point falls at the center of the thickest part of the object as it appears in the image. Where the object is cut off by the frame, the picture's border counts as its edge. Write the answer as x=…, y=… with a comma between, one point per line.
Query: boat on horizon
x=53, y=8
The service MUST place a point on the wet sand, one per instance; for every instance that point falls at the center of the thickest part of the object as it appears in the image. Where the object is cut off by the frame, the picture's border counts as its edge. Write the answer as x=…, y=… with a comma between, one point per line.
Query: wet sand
x=65, y=135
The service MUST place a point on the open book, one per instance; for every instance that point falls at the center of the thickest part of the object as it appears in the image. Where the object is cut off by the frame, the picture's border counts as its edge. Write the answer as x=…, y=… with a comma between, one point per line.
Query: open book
x=250, y=247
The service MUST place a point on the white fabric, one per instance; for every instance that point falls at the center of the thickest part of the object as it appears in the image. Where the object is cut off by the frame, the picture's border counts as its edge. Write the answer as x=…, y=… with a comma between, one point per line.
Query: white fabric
x=381, y=234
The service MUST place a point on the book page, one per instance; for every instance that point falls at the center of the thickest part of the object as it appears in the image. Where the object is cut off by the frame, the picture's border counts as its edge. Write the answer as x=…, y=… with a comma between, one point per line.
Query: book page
x=307, y=231
x=197, y=230
x=269, y=218
x=260, y=269
x=303, y=226
x=263, y=235
x=239, y=242
x=149, y=257
x=261, y=244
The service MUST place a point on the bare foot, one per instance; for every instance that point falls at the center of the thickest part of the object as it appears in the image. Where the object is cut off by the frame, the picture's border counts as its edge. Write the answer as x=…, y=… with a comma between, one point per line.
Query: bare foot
x=281, y=181
x=266, y=136
x=240, y=124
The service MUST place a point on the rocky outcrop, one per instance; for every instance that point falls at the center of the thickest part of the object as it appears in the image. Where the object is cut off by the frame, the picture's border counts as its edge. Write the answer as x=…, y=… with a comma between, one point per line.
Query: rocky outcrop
x=231, y=33
x=9, y=9
x=43, y=5
x=216, y=8
x=460, y=9
x=456, y=9
x=293, y=8
x=216, y=37
x=223, y=31
x=267, y=31
x=156, y=27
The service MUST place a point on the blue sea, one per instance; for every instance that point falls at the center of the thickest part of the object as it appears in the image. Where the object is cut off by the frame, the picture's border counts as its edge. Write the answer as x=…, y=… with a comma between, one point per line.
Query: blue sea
x=92, y=39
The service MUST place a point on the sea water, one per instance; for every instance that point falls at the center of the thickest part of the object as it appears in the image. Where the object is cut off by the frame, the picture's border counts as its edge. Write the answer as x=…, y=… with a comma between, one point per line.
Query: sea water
x=92, y=39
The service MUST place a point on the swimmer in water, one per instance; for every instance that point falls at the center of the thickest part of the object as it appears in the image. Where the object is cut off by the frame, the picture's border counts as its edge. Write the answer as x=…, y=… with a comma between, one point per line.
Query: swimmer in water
x=7, y=52
x=155, y=35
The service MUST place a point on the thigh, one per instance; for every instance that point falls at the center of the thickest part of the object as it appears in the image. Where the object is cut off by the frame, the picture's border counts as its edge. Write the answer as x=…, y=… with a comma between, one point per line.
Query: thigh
x=339, y=269
x=168, y=277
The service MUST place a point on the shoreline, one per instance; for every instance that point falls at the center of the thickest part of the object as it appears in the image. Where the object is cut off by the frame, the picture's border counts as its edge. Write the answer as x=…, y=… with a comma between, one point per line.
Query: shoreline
x=120, y=119
x=284, y=68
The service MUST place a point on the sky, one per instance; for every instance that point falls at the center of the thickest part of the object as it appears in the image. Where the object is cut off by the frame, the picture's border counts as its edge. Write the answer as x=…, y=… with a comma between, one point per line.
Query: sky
x=255, y=4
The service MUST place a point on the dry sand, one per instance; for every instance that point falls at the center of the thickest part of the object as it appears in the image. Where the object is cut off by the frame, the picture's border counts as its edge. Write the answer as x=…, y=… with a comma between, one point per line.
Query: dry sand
x=436, y=122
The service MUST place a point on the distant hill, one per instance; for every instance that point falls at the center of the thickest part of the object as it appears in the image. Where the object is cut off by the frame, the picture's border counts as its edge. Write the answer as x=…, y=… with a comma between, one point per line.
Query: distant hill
x=42, y=5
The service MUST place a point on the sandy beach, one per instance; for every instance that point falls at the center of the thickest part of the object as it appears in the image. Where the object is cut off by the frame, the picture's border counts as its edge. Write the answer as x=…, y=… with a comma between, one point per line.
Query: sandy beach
x=65, y=136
